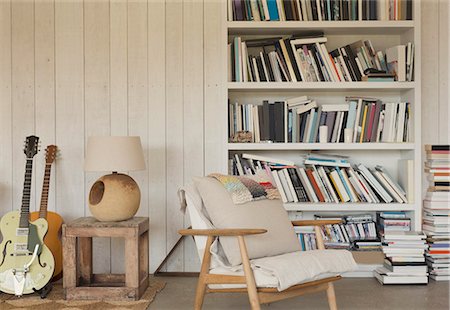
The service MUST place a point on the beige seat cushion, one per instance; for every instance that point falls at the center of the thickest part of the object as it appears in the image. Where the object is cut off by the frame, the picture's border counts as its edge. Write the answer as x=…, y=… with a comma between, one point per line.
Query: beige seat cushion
x=267, y=214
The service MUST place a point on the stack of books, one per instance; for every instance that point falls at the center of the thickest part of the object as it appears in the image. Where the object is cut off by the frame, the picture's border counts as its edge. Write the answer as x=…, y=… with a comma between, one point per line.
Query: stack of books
x=393, y=221
x=404, y=258
x=321, y=10
x=306, y=58
x=436, y=211
x=299, y=120
x=323, y=178
x=356, y=232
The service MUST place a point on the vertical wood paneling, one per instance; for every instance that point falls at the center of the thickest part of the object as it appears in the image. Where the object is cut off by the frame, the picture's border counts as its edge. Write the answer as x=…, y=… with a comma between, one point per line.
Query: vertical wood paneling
x=137, y=89
x=22, y=93
x=70, y=195
x=444, y=35
x=119, y=98
x=44, y=66
x=96, y=101
x=157, y=132
x=174, y=126
x=6, y=188
x=118, y=67
x=214, y=33
x=193, y=155
x=430, y=69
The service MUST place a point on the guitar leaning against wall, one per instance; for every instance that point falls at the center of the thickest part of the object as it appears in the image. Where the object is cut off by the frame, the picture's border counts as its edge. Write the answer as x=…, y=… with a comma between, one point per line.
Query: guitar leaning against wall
x=52, y=238
x=26, y=263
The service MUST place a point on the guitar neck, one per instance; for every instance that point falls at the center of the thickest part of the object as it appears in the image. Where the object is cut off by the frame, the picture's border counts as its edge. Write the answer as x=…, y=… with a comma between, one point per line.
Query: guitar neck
x=45, y=189
x=25, y=208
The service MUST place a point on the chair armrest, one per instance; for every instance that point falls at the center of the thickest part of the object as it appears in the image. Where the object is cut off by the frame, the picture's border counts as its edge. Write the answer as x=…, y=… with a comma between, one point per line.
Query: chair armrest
x=222, y=232
x=315, y=222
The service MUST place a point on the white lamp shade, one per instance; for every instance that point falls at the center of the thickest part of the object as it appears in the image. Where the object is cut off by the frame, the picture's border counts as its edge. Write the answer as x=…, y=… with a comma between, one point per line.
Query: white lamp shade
x=107, y=153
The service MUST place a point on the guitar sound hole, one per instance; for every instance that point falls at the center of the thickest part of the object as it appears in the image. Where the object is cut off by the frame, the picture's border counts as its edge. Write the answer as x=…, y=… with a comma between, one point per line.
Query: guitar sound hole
x=96, y=193
x=43, y=265
x=4, y=251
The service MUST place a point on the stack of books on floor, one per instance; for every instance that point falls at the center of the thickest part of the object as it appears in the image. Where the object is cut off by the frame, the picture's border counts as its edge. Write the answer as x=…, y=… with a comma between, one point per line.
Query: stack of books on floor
x=436, y=211
x=404, y=258
x=306, y=58
x=356, y=232
x=301, y=119
x=321, y=10
x=322, y=178
x=388, y=221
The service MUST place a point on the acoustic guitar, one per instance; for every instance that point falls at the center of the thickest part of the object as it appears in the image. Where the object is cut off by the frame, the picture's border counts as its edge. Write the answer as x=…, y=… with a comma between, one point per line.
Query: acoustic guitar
x=26, y=263
x=52, y=238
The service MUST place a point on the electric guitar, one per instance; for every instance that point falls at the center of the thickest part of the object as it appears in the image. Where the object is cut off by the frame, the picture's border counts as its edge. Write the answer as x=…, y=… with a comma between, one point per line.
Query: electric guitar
x=52, y=238
x=26, y=264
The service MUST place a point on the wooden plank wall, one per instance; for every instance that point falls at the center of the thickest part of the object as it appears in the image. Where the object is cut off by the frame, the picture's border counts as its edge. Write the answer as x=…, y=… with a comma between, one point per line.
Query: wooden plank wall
x=435, y=71
x=72, y=69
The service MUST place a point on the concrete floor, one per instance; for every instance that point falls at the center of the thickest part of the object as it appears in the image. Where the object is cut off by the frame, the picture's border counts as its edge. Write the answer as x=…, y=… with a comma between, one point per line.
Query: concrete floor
x=352, y=293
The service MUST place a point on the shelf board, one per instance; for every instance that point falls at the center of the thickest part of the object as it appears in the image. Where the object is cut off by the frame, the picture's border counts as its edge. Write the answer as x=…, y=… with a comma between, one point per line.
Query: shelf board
x=328, y=27
x=318, y=146
x=356, y=207
x=331, y=86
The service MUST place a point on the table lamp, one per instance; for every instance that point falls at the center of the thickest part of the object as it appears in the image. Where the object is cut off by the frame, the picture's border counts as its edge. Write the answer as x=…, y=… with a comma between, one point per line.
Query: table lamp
x=115, y=196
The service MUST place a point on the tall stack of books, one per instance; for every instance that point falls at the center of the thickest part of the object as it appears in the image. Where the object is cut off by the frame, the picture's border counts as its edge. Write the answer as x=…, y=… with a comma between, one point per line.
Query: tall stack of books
x=404, y=258
x=436, y=211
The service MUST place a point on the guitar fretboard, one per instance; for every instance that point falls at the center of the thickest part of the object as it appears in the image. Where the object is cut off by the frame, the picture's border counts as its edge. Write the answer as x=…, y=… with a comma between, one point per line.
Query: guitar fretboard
x=45, y=188
x=25, y=208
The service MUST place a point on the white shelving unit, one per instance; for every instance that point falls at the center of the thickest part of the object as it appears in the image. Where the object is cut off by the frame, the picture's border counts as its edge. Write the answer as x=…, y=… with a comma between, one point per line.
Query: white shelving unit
x=383, y=34
x=330, y=27
x=318, y=146
x=331, y=86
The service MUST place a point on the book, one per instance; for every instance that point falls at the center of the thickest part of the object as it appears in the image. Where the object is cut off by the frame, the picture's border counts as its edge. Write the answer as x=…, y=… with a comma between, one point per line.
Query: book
x=405, y=235
x=385, y=277
x=396, y=61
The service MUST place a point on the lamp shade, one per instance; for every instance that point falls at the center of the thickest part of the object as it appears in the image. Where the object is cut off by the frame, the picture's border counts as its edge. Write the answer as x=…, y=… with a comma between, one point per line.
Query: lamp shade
x=108, y=153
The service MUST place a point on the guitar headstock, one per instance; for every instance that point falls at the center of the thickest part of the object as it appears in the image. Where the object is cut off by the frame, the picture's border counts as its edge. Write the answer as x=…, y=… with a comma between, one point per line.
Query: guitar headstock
x=50, y=153
x=31, y=146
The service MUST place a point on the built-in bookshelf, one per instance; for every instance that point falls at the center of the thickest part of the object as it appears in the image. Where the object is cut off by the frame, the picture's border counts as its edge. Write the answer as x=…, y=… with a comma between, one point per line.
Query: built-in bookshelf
x=383, y=34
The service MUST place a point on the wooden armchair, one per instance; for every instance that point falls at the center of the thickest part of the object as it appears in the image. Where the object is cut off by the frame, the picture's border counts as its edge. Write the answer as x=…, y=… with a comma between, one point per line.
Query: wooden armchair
x=256, y=295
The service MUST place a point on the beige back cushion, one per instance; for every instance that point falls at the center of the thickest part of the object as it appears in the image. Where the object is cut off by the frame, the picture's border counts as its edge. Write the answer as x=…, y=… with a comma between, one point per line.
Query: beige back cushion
x=268, y=214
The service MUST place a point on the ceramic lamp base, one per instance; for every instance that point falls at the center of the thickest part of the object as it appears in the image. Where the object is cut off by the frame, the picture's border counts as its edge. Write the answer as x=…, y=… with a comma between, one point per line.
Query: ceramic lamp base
x=114, y=197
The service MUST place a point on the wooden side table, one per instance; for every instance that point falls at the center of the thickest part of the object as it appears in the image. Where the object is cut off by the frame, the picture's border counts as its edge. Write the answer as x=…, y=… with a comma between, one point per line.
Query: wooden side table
x=80, y=283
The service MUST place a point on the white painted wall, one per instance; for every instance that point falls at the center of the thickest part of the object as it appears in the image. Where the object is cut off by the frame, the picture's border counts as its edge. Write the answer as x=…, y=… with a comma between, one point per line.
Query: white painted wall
x=71, y=69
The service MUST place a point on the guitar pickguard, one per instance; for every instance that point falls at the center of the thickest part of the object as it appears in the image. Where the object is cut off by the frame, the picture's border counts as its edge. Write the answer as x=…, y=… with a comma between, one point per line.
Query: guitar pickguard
x=33, y=239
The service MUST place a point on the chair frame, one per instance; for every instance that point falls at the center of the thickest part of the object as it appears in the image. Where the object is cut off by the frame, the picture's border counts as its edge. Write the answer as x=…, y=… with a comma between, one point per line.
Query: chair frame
x=256, y=295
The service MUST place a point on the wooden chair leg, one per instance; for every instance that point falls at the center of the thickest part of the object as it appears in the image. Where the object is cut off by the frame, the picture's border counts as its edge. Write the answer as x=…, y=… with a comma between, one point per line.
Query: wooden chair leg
x=249, y=277
x=204, y=270
x=331, y=297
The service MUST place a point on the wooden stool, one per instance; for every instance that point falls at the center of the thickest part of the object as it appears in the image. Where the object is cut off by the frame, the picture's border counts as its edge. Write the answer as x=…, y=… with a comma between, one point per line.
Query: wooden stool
x=80, y=283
